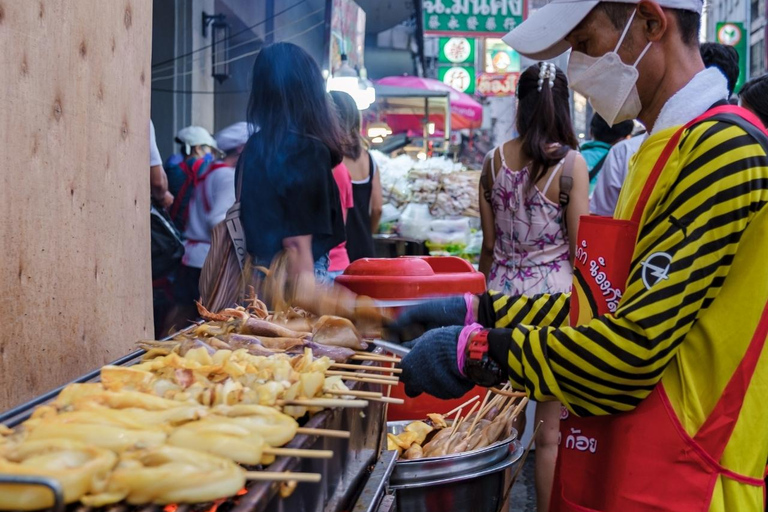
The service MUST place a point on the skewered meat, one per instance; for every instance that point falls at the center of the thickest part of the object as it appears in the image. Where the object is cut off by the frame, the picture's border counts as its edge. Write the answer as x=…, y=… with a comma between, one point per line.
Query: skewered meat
x=414, y=452
x=79, y=468
x=112, y=437
x=437, y=420
x=393, y=444
x=168, y=474
x=420, y=428
x=275, y=427
x=133, y=418
x=337, y=354
x=74, y=393
x=260, y=327
x=337, y=331
x=271, y=344
x=222, y=437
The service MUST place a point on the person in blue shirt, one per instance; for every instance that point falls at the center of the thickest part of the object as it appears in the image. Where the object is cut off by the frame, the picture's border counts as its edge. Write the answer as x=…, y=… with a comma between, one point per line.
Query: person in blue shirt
x=604, y=137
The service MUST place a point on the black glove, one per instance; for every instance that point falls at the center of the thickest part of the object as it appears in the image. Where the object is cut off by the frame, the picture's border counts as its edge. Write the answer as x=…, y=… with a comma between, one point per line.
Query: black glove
x=431, y=366
x=417, y=320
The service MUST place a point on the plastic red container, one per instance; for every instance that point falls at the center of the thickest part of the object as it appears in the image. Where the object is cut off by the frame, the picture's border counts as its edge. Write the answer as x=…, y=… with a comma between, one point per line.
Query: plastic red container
x=401, y=282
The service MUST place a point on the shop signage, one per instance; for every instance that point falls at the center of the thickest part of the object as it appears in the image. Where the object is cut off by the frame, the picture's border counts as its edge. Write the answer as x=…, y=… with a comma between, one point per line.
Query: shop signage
x=472, y=18
x=733, y=34
x=461, y=78
x=456, y=50
x=500, y=58
x=496, y=84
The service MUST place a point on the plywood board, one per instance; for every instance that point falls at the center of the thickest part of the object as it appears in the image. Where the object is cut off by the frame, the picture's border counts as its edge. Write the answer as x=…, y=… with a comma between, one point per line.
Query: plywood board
x=75, y=281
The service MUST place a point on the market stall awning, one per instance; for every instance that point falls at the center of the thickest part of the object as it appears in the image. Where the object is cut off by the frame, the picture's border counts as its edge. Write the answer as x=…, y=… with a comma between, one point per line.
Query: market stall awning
x=408, y=108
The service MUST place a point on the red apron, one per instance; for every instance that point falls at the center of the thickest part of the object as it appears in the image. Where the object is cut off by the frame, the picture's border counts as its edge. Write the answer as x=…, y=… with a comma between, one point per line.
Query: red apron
x=641, y=460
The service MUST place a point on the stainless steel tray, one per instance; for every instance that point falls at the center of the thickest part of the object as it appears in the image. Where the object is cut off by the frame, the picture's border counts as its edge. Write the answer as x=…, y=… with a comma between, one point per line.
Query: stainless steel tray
x=447, y=466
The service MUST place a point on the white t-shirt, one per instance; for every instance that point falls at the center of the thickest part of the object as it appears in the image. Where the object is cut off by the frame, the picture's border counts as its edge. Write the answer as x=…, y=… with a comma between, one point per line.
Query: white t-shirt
x=611, y=178
x=154, y=153
x=219, y=189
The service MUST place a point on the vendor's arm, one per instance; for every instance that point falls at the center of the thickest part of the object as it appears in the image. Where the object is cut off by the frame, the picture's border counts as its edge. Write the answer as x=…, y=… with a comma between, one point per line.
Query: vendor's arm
x=614, y=361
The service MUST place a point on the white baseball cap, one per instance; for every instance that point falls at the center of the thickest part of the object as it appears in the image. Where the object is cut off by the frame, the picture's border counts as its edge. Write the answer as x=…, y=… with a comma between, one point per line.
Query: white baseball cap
x=542, y=35
x=196, y=136
x=233, y=136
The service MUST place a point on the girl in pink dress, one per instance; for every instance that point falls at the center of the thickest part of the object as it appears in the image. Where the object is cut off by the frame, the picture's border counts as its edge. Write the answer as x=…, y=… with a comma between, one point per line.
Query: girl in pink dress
x=528, y=237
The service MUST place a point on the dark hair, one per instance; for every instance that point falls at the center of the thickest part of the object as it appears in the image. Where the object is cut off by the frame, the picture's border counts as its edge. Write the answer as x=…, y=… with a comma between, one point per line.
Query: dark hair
x=602, y=132
x=544, y=119
x=288, y=95
x=349, y=119
x=754, y=95
x=723, y=57
x=689, y=22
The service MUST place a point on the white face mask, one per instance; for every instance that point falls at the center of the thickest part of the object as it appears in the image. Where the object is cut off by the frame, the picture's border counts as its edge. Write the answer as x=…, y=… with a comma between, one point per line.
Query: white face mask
x=608, y=83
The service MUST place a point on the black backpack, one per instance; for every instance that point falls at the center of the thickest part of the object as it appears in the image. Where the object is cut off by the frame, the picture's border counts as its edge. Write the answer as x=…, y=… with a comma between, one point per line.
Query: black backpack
x=167, y=248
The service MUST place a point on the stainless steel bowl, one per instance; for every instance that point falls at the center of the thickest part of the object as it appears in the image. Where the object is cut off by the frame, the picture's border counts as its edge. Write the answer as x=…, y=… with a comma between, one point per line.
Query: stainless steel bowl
x=479, y=490
x=430, y=469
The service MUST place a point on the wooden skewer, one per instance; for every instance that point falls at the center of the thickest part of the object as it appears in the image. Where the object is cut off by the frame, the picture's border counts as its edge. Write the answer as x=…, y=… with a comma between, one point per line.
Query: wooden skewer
x=519, y=407
x=368, y=395
x=382, y=369
x=344, y=375
x=490, y=406
x=456, y=422
x=371, y=380
x=511, y=394
x=324, y=402
x=471, y=411
x=371, y=354
x=322, y=432
x=297, y=452
x=377, y=358
x=477, y=416
x=353, y=392
x=280, y=476
x=471, y=400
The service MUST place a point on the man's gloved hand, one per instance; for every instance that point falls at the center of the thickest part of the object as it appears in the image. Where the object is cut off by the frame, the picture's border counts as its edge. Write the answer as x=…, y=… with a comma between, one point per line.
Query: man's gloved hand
x=432, y=367
x=417, y=320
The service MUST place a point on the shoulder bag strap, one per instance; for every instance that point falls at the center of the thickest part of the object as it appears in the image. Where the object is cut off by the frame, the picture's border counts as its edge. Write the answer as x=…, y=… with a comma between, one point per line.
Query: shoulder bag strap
x=566, y=184
x=738, y=115
x=234, y=226
x=489, y=178
x=598, y=166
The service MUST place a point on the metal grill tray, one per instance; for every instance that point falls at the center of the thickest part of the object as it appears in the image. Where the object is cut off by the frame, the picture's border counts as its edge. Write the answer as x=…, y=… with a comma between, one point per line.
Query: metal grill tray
x=343, y=475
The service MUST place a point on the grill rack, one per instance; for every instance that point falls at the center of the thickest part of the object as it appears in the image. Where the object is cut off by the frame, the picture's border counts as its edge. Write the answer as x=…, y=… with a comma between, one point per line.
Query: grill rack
x=343, y=476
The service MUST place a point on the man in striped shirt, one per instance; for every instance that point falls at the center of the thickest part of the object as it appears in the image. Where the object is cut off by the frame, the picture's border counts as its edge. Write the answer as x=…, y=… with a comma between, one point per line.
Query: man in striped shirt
x=691, y=317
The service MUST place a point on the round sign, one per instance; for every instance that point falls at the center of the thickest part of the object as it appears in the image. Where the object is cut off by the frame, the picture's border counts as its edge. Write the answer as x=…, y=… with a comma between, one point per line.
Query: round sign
x=457, y=49
x=458, y=78
x=501, y=61
x=729, y=34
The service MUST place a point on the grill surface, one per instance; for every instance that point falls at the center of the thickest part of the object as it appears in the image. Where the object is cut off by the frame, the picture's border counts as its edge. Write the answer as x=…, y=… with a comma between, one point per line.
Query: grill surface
x=343, y=476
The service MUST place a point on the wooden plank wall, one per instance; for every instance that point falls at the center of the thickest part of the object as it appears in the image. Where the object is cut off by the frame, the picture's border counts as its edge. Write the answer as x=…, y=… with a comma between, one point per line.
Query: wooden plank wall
x=75, y=281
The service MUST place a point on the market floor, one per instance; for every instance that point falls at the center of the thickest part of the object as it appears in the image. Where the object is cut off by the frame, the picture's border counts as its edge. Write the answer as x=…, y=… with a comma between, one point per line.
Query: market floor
x=523, y=495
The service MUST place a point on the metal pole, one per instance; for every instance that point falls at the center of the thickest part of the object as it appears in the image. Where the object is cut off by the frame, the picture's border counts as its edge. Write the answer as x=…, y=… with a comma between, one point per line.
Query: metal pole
x=269, y=26
x=447, y=127
x=748, y=35
x=327, y=37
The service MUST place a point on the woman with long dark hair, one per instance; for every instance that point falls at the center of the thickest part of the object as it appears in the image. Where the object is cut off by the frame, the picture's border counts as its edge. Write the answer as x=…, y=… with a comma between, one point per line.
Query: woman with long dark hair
x=529, y=235
x=289, y=198
x=363, y=218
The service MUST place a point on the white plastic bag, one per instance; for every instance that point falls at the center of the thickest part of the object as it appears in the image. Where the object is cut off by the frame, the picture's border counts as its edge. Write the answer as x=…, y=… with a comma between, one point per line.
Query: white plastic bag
x=415, y=221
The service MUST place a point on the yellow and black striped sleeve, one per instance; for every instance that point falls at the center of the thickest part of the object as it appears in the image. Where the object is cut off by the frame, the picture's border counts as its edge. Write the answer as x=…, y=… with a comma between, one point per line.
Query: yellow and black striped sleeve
x=499, y=310
x=613, y=362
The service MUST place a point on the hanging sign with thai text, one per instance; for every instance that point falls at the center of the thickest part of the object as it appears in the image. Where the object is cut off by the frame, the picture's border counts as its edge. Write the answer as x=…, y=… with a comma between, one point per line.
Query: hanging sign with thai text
x=496, y=84
x=473, y=18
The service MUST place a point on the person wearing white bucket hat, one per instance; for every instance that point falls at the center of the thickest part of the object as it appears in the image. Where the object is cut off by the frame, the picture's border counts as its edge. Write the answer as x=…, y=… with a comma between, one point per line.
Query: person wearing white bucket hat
x=661, y=370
